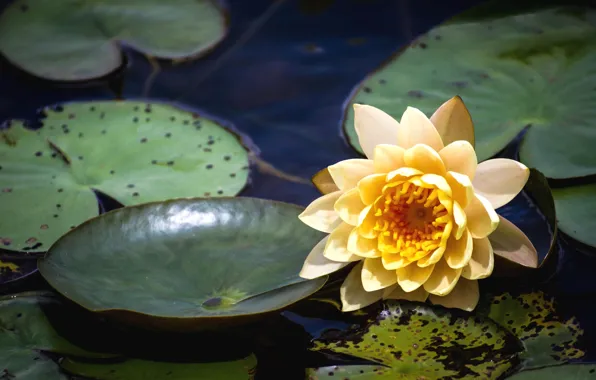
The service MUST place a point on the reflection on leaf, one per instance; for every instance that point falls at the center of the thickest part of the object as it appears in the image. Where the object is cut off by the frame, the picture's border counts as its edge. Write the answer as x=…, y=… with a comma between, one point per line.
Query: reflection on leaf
x=413, y=339
x=548, y=338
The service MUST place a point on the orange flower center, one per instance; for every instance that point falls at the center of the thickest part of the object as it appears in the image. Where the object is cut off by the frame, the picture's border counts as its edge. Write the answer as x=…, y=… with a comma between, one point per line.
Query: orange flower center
x=411, y=220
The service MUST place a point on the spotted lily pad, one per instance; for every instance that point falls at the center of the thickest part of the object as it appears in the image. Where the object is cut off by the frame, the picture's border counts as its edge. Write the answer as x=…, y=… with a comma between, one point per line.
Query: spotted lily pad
x=575, y=212
x=186, y=263
x=71, y=40
x=133, y=151
x=134, y=369
x=26, y=337
x=570, y=371
x=548, y=338
x=535, y=70
x=409, y=341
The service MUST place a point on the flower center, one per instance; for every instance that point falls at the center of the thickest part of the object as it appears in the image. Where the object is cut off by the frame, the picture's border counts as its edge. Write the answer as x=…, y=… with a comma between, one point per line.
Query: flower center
x=411, y=219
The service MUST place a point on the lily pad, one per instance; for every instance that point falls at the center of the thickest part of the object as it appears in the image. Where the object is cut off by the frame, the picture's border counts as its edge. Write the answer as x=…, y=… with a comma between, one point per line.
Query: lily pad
x=74, y=40
x=575, y=211
x=412, y=340
x=570, y=371
x=547, y=337
x=133, y=151
x=134, y=369
x=26, y=336
x=186, y=263
x=535, y=70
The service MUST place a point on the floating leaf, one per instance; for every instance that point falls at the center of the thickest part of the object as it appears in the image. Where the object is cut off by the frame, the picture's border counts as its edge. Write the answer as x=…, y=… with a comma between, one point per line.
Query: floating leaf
x=186, y=263
x=575, y=210
x=72, y=40
x=536, y=69
x=133, y=151
x=133, y=369
x=548, y=338
x=570, y=371
x=416, y=340
x=25, y=334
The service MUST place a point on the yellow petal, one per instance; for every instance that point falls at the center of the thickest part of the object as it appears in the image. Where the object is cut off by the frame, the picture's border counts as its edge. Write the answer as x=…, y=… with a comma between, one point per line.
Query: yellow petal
x=397, y=293
x=416, y=128
x=424, y=158
x=461, y=188
x=374, y=127
x=352, y=293
x=482, y=263
x=460, y=157
x=482, y=218
x=453, y=121
x=511, y=243
x=361, y=246
x=402, y=174
x=459, y=252
x=499, y=180
x=432, y=181
x=317, y=265
x=323, y=182
x=442, y=280
x=375, y=276
x=349, y=206
x=393, y=261
x=464, y=296
x=347, y=173
x=388, y=157
x=320, y=214
x=433, y=258
x=460, y=219
x=336, y=248
x=366, y=223
x=412, y=277
x=370, y=187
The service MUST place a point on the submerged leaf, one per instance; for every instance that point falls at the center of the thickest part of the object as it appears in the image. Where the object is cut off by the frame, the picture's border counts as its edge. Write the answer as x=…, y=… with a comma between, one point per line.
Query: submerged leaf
x=70, y=40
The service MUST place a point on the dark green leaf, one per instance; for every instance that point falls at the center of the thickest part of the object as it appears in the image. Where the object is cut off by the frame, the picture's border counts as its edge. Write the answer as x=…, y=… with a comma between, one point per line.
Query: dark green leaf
x=564, y=372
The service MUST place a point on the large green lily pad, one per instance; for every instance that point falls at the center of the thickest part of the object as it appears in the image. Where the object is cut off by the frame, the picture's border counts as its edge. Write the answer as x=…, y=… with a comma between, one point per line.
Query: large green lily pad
x=536, y=69
x=575, y=212
x=548, y=338
x=134, y=369
x=570, y=371
x=186, y=262
x=413, y=340
x=135, y=152
x=26, y=336
x=71, y=40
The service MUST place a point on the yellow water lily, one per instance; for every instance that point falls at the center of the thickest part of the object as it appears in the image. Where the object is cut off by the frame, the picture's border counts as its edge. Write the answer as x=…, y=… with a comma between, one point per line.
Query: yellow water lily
x=418, y=212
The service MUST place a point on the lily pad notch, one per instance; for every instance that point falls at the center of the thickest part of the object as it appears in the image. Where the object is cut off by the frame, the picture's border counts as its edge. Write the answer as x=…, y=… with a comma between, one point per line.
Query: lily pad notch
x=132, y=151
x=76, y=40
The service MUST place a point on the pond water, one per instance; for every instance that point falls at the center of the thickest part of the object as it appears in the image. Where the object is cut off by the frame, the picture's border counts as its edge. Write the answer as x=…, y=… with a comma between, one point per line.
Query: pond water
x=282, y=80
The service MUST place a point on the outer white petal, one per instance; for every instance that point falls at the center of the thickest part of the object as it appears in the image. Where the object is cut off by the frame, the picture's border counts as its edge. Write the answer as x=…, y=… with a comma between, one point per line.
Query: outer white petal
x=347, y=173
x=374, y=127
x=416, y=128
x=352, y=293
x=464, y=296
x=499, y=180
x=320, y=214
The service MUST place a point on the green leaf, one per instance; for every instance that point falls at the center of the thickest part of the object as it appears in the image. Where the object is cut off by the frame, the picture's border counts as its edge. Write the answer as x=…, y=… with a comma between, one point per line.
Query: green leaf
x=25, y=334
x=570, y=371
x=134, y=369
x=414, y=340
x=71, y=40
x=575, y=211
x=133, y=151
x=536, y=70
x=186, y=263
x=547, y=337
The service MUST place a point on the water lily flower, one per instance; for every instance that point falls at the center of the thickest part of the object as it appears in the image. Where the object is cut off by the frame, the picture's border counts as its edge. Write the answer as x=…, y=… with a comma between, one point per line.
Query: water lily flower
x=418, y=213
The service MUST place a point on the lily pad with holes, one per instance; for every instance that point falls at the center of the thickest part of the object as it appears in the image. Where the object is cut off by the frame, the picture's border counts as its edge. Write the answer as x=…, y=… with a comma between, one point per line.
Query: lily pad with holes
x=569, y=371
x=27, y=337
x=535, y=70
x=75, y=40
x=548, y=338
x=187, y=263
x=575, y=212
x=133, y=369
x=134, y=152
x=412, y=340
